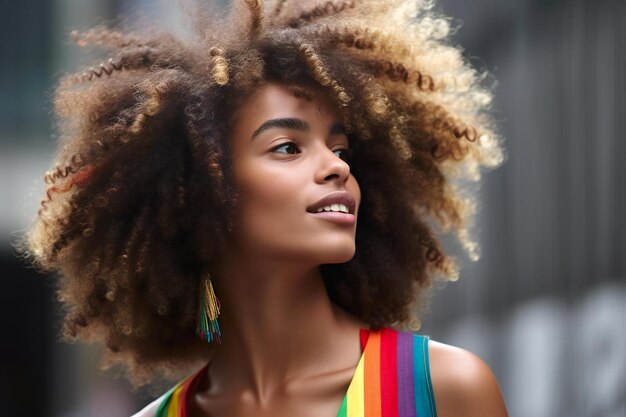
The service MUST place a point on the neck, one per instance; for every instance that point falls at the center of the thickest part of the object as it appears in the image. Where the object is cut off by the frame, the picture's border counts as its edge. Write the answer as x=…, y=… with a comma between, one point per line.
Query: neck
x=278, y=328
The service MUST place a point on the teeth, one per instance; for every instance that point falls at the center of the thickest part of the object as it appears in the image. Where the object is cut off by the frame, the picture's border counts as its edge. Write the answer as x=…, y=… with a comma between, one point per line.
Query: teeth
x=333, y=207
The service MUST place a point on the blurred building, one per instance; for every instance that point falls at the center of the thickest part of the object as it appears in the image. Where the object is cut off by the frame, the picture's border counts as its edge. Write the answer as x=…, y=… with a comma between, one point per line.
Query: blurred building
x=546, y=304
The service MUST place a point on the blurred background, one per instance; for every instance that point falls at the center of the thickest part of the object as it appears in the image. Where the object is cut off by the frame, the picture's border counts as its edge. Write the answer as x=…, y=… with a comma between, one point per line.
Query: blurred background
x=545, y=306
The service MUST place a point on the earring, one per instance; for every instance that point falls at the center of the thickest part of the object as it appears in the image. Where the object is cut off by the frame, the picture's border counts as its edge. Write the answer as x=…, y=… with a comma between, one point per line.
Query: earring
x=208, y=311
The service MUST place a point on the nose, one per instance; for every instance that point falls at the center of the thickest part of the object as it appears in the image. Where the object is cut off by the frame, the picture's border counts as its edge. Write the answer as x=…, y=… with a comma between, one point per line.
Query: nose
x=331, y=167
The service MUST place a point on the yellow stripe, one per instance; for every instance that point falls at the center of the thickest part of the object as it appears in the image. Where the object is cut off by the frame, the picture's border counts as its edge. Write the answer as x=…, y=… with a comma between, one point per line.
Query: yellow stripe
x=355, y=391
x=174, y=402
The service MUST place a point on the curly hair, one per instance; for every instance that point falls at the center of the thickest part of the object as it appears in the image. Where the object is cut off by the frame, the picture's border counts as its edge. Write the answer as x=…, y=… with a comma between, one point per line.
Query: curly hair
x=136, y=204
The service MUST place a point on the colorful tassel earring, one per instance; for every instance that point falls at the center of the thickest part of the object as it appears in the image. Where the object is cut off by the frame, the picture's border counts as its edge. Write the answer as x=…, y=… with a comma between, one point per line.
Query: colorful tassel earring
x=208, y=311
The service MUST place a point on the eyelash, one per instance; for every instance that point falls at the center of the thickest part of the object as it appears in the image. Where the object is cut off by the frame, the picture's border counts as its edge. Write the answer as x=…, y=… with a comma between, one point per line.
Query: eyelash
x=282, y=145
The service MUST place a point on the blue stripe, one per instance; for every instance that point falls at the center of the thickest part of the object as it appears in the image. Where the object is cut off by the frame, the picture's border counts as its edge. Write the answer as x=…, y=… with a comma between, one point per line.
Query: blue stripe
x=424, y=398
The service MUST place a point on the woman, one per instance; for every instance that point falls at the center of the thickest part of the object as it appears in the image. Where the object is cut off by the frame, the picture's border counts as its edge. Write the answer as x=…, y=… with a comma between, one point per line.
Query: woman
x=213, y=186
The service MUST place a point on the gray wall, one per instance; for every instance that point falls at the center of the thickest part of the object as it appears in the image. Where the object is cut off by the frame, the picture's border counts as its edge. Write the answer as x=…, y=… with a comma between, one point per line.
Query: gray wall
x=546, y=304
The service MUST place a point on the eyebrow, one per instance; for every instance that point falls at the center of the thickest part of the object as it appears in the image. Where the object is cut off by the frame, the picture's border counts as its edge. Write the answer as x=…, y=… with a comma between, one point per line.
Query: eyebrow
x=295, y=124
x=285, y=123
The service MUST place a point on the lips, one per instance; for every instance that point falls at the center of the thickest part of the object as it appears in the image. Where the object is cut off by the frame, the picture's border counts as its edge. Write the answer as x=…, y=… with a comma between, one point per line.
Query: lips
x=337, y=197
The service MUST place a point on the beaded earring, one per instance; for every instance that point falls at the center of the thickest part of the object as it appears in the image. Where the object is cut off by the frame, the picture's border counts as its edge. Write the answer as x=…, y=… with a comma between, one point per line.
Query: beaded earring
x=208, y=311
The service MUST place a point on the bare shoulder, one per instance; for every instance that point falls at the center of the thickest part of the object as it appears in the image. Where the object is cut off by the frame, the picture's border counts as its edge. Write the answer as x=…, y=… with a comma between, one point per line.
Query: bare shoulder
x=463, y=384
x=149, y=410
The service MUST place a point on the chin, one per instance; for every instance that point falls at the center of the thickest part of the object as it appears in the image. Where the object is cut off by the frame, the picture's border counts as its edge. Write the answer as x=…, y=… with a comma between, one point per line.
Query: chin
x=338, y=256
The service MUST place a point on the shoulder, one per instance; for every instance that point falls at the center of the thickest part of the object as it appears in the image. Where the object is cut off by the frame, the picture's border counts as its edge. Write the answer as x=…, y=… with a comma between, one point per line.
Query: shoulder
x=463, y=384
x=150, y=410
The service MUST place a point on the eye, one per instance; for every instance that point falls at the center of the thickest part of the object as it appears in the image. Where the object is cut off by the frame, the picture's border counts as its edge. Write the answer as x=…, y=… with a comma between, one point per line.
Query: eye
x=344, y=154
x=287, y=147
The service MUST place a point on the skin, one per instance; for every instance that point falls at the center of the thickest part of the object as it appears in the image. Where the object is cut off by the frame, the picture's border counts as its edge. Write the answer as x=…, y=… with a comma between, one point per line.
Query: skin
x=270, y=285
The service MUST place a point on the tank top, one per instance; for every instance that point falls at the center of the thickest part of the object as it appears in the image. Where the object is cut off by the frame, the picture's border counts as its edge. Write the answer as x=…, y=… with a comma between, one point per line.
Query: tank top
x=392, y=379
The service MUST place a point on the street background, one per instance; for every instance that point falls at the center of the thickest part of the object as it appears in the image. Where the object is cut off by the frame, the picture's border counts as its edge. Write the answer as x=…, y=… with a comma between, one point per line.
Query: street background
x=545, y=306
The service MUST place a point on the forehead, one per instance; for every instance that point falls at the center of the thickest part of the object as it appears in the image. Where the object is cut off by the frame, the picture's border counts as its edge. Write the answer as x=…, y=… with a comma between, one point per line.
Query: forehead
x=273, y=100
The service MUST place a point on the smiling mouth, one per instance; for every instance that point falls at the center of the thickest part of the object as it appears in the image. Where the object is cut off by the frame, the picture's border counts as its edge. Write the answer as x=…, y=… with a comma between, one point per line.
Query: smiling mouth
x=335, y=202
x=339, y=217
x=333, y=208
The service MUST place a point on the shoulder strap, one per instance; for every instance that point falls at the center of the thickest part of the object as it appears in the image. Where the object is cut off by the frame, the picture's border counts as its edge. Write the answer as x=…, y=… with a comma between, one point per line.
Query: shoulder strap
x=174, y=402
x=167, y=405
x=393, y=379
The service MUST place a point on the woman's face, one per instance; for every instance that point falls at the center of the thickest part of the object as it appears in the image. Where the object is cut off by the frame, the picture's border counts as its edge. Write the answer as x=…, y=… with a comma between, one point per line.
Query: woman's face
x=289, y=160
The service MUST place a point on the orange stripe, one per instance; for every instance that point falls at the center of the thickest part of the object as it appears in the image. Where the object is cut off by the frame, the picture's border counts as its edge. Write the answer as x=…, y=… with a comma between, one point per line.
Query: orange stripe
x=372, y=376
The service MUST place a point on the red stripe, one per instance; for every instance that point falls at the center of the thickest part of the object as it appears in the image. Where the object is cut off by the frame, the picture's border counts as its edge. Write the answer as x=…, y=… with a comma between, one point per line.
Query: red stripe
x=389, y=373
x=364, y=334
x=188, y=388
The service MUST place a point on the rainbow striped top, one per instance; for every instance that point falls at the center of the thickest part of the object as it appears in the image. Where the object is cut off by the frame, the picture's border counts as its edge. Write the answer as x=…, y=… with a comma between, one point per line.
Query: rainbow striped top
x=392, y=379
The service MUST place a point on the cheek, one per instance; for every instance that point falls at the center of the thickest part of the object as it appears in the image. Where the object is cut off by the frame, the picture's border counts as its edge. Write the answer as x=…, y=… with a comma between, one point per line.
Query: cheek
x=270, y=203
x=267, y=191
x=353, y=188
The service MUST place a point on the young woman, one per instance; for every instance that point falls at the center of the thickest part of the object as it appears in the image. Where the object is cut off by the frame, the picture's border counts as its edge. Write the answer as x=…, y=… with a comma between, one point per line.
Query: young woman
x=270, y=185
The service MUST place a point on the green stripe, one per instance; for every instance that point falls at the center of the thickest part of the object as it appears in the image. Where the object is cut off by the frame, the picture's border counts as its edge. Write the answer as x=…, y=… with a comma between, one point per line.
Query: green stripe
x=343, y=410
x=431, y=395
x=163, y=407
